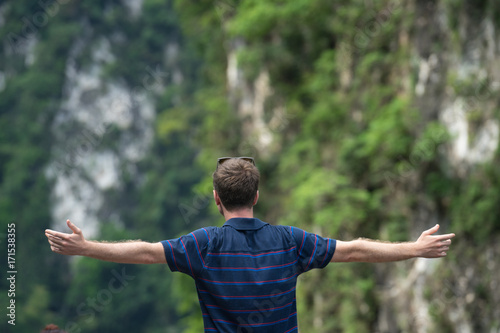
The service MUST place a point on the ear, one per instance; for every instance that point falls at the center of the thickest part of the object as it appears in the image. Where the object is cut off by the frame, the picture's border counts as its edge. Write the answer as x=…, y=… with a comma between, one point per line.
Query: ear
x=216, y=198
x=220, y=207
x=256, y=198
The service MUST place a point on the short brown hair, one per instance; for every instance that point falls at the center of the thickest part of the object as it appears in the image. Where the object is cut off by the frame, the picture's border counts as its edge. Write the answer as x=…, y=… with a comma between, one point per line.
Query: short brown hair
x=236, y=181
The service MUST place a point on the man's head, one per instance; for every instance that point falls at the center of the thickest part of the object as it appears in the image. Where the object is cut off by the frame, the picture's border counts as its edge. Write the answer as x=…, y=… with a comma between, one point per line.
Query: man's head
x=236, y=181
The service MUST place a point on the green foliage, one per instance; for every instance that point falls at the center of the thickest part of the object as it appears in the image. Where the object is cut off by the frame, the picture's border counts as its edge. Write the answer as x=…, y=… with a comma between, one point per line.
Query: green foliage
x=325, y=200
x=354, y=155
x=27, y=107
x=36, y=309
x=474, y=206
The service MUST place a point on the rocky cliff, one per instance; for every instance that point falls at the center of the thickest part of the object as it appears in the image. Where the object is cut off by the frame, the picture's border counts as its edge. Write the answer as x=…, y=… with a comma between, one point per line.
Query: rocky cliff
x=374, y=119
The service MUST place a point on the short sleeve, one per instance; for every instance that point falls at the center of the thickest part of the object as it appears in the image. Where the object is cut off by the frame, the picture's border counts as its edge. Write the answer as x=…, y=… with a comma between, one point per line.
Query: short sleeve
x=186, y=253
x=313, y=251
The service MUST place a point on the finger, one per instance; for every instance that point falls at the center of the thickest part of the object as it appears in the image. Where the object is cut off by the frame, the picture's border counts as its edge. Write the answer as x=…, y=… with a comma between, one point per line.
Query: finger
x=432, y=230
x=56, y=242
x=60, y=236
x=445, y=237
x=73, y=227
x=55, y=233
x=51, y=232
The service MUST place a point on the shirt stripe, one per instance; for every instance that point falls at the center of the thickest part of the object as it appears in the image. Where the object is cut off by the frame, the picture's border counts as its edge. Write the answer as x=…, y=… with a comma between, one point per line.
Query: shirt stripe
x=198, y=248
x=326, y=253
x=258, y=324
x=187, y=257
x=245, y=283
x=252, y=268
x=253, y=310
x=243, y=254
x=173, y=255
x=248, y=296
x=314, y=252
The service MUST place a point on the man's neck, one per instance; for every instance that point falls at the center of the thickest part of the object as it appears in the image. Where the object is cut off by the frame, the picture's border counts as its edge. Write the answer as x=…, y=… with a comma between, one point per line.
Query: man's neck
x=243, y=213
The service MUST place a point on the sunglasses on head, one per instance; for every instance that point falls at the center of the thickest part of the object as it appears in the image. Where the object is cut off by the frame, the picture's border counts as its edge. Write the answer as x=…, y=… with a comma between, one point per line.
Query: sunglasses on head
x=221, y=160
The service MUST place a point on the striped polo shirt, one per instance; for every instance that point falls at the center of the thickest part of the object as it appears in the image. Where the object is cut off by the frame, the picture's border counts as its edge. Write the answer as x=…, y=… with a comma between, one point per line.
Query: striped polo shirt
x=246, y=272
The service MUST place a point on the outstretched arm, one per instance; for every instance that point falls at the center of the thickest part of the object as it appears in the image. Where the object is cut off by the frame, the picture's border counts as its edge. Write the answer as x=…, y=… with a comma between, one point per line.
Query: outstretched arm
x=129, y=252
x=365, y=250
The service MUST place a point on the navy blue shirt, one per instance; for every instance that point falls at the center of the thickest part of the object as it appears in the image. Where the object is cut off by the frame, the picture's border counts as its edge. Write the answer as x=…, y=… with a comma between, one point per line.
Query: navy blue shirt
x=246, y=272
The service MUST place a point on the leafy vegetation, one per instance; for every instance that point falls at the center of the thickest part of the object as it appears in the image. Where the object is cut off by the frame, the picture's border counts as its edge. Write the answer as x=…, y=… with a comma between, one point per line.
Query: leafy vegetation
x=356, y=154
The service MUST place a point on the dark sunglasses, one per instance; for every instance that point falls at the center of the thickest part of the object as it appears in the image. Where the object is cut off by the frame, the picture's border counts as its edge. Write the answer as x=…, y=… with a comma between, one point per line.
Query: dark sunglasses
x=221, y=160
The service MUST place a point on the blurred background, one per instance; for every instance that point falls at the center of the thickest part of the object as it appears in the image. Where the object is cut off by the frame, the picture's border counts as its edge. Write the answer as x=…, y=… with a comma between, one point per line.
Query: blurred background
x=367, y=118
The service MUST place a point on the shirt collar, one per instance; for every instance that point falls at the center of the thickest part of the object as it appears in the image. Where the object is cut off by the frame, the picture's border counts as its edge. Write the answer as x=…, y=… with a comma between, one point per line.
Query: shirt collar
x=243, y=223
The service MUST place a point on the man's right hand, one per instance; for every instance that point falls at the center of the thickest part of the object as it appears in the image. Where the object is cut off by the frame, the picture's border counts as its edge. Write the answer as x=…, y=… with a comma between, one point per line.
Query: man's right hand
x=67, y=244
x=127, y=252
